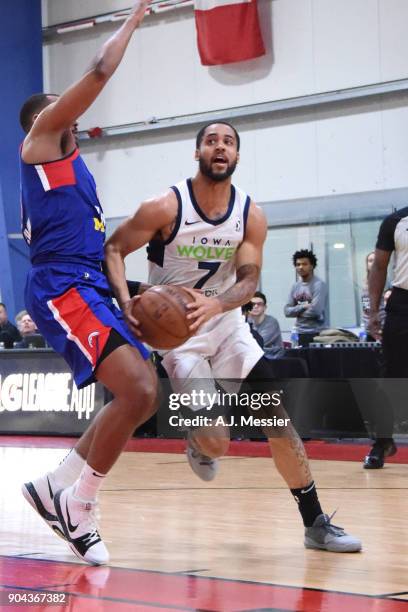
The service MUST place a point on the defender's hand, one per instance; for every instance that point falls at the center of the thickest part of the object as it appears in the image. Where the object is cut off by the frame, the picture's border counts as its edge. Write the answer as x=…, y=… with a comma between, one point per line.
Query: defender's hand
x=138, y=12
x=131, y=321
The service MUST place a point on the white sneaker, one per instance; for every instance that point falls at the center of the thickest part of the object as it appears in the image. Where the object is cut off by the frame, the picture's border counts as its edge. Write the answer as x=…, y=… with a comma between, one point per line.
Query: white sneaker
x=79, y=523
x=205, y=467
x=40, y=495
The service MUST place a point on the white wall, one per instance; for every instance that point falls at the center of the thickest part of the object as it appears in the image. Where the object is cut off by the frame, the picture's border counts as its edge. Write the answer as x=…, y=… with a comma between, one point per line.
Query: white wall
x=313, y=46
x=318, y=45
x=59, y=11
x=330, y=152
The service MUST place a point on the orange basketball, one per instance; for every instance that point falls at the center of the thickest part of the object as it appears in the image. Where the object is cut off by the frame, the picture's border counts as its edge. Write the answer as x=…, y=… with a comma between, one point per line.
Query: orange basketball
x=161, y=312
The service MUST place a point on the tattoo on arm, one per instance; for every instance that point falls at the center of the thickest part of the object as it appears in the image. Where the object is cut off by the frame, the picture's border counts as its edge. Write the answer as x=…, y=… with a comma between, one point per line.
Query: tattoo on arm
x=244, y=288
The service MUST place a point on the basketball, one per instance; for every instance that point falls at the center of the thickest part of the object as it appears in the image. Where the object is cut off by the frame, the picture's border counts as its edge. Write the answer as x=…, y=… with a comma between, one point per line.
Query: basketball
x=161, y=312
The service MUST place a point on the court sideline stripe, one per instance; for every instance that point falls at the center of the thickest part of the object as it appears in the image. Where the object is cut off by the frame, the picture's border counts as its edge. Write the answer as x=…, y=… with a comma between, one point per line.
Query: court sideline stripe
x=233, y=580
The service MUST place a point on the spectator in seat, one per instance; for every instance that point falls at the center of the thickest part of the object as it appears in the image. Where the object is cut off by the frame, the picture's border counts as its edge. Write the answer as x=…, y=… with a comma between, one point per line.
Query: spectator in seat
x=246, y=309
x=266, y=326
x=28, y=331
x=25, y=324
x=8, y=332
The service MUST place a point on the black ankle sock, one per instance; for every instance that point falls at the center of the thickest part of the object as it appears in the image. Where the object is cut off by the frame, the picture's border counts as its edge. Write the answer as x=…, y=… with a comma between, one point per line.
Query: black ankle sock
x=309, y=505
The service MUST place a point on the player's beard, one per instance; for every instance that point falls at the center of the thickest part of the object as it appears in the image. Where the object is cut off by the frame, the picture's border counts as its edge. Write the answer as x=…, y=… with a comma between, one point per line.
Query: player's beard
x=206, y=170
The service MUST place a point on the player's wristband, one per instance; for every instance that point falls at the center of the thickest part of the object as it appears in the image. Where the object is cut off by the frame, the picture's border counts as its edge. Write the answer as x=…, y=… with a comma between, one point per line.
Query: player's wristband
x=133, y=287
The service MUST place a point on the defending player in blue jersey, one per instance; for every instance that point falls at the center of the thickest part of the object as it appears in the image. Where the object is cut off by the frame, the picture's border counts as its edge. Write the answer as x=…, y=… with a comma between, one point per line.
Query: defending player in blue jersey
x=68, y=297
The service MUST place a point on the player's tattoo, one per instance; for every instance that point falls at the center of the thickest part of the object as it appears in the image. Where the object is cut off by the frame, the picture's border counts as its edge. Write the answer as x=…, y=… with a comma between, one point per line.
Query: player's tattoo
x=244, y=288
x=297, y=447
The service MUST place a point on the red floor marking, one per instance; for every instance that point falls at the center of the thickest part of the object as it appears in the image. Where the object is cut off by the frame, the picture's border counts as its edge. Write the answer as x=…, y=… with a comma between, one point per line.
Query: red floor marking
x=316, y=449
x=144, y=591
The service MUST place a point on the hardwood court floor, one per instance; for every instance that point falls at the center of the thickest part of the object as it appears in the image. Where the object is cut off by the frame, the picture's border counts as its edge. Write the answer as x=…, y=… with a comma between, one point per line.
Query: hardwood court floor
x=243, y=530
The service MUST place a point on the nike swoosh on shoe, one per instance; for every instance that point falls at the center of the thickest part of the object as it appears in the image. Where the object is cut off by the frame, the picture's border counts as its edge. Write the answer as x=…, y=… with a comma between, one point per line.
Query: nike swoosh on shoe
x=71, y=527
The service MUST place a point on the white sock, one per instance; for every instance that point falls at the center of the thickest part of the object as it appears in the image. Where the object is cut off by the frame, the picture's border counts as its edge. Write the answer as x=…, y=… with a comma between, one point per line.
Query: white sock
x=88, y=484
x=69, y=469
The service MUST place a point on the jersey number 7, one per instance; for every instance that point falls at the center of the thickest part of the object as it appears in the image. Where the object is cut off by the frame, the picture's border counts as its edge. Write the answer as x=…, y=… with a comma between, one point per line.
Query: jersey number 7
x=212, y=266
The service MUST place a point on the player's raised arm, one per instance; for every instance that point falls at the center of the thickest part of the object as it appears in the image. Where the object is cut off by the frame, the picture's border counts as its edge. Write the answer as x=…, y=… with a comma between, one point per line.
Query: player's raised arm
x=151, y=218
x=248, y=266
x=61, y=114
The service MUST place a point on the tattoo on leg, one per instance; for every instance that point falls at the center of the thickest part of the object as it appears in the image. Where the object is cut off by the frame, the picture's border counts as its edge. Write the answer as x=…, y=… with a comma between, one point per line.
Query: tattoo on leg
x=297, y=447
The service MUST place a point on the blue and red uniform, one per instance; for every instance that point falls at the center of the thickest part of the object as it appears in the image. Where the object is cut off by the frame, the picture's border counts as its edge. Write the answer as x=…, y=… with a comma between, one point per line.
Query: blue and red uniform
x=67, y=294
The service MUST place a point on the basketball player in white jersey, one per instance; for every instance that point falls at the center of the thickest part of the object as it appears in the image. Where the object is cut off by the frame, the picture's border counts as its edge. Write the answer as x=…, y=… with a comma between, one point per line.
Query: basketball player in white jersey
x=206, y=234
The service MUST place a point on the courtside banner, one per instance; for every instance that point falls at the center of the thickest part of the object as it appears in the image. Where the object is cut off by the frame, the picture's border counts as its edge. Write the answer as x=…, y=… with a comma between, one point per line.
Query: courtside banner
x=38, y=395
x=227, y=31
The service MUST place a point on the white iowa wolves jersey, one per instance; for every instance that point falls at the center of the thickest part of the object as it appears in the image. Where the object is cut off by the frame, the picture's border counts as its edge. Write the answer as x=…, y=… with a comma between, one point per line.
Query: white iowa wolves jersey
x=200, y=252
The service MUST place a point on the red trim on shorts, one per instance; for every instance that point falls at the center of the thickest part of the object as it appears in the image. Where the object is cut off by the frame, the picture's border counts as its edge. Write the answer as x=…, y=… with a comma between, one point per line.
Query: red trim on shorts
x=81, y=324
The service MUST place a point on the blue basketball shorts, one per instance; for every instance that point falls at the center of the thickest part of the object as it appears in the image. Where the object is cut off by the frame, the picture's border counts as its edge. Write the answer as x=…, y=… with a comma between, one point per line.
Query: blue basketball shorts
x=72, y=307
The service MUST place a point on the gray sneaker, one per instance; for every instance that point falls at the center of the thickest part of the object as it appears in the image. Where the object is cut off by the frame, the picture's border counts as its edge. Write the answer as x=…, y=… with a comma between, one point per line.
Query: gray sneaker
x=205, y=467
x=325, y=536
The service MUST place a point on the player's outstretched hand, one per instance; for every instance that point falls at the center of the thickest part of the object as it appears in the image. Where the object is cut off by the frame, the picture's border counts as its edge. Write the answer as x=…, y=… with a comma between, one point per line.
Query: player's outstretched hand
x=374, y=326
x=138, y=12
x=202, y=309
x=131, y=321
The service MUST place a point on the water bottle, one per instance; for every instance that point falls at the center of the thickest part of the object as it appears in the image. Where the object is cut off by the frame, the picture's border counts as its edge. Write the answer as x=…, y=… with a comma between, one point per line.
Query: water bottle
x=362, y=336
x=294, y=339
